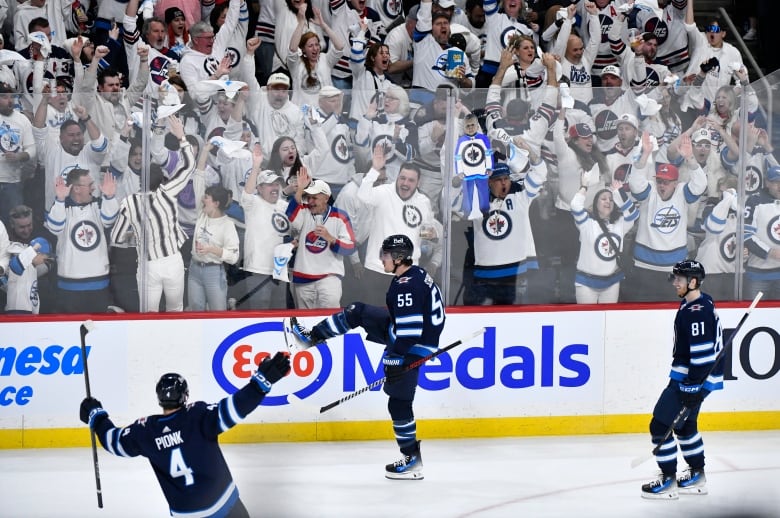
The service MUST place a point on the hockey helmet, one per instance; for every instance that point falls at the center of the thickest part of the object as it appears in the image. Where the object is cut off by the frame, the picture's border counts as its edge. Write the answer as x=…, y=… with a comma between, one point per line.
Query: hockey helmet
x=398, y=246
x=689, y=269
x=172, y=391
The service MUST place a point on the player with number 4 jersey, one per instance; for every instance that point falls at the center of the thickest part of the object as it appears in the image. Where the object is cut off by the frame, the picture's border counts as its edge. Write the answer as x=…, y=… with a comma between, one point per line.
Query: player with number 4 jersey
x=181, y=443
x=409, y=327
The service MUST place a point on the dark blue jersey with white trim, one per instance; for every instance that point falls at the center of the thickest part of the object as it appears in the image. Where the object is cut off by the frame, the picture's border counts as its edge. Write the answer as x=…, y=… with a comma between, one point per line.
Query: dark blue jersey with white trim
x=416, y=313
x=183, y=450
x=698, y=338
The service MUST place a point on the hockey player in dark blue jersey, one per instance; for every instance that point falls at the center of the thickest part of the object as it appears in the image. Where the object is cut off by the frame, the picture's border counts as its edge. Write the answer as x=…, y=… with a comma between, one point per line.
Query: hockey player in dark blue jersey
x=409, y=328
x=697, y=341
x=181, y=443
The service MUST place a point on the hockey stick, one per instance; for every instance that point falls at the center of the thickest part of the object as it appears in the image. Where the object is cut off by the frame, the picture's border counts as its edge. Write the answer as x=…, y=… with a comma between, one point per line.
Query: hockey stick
x=407, y=368
x=682, y=415
x=85, y=328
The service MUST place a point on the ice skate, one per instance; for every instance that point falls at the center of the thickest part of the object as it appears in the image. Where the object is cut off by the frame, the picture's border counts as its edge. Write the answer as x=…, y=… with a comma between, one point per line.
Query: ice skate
x=408, y=468
x=693, y=482
x=296, y=336
x=662, y=488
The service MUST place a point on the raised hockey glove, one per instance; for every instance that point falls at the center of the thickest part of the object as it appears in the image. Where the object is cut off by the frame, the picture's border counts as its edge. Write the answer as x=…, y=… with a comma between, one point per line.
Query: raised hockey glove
x=271, y=370
x=394, y=367
x=91, y=409
x=691, y=395
x=710, y=64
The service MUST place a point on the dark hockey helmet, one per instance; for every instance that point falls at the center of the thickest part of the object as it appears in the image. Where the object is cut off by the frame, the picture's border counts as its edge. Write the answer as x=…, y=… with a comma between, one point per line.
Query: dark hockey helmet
x=172, y=391
x=689, y=269
x=399, y=247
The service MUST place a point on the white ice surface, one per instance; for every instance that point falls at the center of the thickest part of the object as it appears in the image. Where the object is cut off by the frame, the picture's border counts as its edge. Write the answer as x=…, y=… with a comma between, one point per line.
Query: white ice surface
x=579, y=476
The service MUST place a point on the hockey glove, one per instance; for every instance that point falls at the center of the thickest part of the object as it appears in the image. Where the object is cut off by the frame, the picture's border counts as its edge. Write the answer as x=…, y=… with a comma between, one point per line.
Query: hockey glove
x=271, y=370
x=691, y=395
x=710, y=64
x=91, y=409
x=394, y=367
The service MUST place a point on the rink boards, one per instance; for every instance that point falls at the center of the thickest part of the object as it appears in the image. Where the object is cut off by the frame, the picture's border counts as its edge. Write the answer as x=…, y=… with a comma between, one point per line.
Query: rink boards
x=534, y=371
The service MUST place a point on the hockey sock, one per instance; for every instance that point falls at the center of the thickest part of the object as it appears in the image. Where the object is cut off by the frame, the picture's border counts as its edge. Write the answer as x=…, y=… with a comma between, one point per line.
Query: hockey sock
x=406, y=436
x=332, y=326
x=692, y=448
x=667, y=455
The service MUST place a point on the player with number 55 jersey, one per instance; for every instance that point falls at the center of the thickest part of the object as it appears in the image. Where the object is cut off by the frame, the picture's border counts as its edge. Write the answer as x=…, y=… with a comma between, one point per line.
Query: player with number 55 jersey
x=409, y=328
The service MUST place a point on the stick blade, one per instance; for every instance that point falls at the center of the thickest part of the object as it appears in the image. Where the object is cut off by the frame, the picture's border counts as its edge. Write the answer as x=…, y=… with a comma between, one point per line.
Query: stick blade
x=638, y=461
x=87, y=326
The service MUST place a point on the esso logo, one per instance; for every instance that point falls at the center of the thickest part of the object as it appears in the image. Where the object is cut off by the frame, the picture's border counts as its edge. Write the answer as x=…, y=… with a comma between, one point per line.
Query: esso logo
x=238, y=355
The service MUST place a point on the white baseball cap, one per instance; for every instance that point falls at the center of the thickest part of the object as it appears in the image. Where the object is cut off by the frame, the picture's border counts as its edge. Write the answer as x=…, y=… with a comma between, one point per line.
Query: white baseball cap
x=701, y=134
x=445, y=4
x=269, y=176
x=317, y=187
x=629, y=119
x=278, y=79
x=612, y=70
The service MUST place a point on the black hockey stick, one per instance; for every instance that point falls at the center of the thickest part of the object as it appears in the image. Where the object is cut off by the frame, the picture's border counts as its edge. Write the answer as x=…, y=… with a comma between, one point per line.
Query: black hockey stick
x=682, y=415
x=407, y=368
x=85, y=328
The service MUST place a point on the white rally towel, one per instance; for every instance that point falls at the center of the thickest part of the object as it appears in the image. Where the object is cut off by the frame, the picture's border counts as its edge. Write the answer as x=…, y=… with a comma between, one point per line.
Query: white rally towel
x=282, y=254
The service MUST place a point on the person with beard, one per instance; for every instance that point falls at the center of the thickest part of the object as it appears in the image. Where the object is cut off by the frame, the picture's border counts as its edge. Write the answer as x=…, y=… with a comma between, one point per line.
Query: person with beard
x=30, y=259
x=17, y=152
x=41, y=48
x=266, y=227
x=608, y=104
x=110, y=107
x=431, y=41
x=643, y=68
x=330, y=140
x=398, y=208
x=627, y=149
x=472, y=17
x=577, y=58
x=668, y=23
x=81, y=222
x=161, y=60
x=60, y=153
x=269, y=108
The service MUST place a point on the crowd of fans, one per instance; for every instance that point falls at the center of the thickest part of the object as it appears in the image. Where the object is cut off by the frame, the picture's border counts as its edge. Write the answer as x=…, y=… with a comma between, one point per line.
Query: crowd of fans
x=199, y=155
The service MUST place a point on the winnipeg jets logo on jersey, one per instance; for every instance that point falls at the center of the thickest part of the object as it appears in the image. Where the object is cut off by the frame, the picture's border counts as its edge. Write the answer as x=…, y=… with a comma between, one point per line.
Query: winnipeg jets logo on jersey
x=403, y=280
x=386, y=141
x=9, y=138
x=340, y=149
x=210, y=65
x=315, y=244
x=280, y=223
x=392, y=8
x=34, y=300
x=606, y=23
x=507, y=35
x=728, y=247
x=441, y=65
x=659, y=28
x=695, y=307
x=773, y=230
x=158, y=69
x=606, y=124
x=86, y=236
x=603, y=247
x=66, y=170
x=666, y=220
x=497, y=225
x=412, y=216
x=754, y=180
x=473, y=154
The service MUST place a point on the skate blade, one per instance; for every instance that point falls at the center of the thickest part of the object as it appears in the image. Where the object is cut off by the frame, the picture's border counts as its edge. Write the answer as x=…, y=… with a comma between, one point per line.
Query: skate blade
x=414, y=475
x=693, y=490
x=661, y=496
